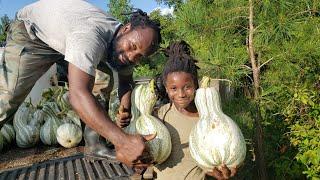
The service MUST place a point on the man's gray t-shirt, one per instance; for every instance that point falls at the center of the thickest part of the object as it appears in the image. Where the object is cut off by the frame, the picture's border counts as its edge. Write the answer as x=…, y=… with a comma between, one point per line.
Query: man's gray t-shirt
x=75, y=28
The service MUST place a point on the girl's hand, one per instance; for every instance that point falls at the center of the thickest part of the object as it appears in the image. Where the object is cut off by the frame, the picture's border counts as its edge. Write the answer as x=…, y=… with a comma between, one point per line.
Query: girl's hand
x=123, y=117
x=223, y=172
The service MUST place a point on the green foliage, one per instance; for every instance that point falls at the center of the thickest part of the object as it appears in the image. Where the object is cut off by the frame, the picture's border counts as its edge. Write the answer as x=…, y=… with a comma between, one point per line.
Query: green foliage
x=5, y=22
x=288, y=52
x=150, y=67
x=303, y=113
x=144, y=71
x=171, y=3
x=168, y=30
x=215, y=31
x=119, y=9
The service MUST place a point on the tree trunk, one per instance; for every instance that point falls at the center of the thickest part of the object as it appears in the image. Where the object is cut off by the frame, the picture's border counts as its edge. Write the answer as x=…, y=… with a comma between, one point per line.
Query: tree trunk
x=261, y=166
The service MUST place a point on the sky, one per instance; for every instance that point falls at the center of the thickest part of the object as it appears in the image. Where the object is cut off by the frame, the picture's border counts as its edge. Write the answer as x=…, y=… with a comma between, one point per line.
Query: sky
x=10, y=7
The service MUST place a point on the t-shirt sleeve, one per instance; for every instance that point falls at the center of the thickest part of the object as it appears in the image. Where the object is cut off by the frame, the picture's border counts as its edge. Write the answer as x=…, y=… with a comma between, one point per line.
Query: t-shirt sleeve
x=84, y=51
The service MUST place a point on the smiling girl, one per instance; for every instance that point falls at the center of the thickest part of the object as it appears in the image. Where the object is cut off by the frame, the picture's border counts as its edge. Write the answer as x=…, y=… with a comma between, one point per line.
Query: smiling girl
x=180, y=81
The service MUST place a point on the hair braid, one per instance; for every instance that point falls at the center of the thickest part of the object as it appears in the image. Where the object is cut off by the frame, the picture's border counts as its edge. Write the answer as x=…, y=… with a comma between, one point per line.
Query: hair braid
x=140, y=18
x=179, y=60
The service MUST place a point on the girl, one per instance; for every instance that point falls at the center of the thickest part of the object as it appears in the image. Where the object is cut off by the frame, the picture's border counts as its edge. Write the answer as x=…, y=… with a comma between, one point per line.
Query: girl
x=180, y=115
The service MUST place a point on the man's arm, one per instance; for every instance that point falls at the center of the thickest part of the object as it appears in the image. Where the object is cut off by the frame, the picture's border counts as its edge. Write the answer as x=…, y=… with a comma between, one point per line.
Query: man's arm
x=129, y=148
x=124, y=91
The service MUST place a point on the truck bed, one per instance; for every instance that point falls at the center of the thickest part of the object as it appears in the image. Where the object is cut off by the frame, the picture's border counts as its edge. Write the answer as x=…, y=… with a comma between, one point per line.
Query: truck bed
x=43, y=162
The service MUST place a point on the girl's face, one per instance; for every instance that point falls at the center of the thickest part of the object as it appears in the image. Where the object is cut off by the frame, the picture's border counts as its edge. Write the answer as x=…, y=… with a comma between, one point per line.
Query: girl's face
x=181, y=89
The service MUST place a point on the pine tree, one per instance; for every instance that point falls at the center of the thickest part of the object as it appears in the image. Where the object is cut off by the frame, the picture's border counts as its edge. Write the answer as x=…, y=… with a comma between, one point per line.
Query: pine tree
x=5, y=22
x=119, y=9
x=272, y=59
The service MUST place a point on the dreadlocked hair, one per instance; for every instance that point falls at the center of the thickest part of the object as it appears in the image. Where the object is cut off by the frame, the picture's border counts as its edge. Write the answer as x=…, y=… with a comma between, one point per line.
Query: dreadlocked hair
x=140, y=18
x=180, y=60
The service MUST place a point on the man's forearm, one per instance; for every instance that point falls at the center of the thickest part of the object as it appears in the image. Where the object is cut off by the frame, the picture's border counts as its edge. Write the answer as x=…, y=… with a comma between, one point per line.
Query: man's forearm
x=92, y=113
x=126, y=101
x=125, y=88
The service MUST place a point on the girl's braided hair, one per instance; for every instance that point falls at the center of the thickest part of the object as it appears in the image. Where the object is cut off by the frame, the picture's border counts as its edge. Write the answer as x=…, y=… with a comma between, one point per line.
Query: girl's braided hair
x=179, y=60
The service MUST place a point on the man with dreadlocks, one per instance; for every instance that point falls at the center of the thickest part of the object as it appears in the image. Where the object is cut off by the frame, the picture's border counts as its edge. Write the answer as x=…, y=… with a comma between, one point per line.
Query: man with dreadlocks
x=48, y=32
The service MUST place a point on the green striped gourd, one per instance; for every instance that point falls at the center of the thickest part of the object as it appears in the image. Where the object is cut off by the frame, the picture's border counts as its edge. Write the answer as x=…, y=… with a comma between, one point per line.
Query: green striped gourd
x=8, y=133
x=50, y=108
x=22, y=116
x=48, y=132
x=73, y=117
x=26, y=135
x=114, y=104
x=216, y=139
x=143, y=99
x=37, y=118
x=69, y=135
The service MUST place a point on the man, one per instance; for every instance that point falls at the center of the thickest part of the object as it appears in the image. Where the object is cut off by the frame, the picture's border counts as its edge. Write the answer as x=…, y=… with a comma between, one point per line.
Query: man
x=48, y=32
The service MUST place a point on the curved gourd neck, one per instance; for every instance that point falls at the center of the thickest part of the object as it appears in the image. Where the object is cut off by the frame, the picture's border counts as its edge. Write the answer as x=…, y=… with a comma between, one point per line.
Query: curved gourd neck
x=208, y=100
x=143, y=99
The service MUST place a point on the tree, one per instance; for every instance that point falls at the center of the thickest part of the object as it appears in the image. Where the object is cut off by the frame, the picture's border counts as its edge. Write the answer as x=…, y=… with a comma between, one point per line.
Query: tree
x=119, y=9
x=5, y=22
x=171, y=3
x=270, y=53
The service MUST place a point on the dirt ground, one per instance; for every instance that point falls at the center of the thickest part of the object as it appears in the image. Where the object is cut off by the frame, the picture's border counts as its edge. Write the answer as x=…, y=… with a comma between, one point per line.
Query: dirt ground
x=18, y=157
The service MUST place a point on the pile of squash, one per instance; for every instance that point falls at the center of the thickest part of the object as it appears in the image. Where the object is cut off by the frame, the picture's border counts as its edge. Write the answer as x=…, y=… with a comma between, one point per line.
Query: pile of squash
x=51, y=121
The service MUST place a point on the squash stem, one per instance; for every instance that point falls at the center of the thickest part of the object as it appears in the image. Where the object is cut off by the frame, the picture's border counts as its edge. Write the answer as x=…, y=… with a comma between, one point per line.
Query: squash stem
x=205, y=82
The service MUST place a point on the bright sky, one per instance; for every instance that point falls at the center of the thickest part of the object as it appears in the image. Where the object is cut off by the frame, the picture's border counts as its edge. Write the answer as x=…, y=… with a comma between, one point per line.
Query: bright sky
x=10, y=7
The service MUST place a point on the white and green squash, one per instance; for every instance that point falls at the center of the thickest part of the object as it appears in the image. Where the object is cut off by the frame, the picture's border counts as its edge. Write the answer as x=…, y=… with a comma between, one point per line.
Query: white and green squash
x=114, y=104
x=37, y=118
x=48, y=132
x=27, y=135
x=22, y=116
x=8, y=133
x=69, y=135
x=73, y=117
x=143, y=99
x=216, y=139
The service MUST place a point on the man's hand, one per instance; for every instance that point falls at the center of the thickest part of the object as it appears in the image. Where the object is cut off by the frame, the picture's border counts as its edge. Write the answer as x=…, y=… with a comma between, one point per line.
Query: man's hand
x=223, y=172
x=123, y=117
x=134, y=152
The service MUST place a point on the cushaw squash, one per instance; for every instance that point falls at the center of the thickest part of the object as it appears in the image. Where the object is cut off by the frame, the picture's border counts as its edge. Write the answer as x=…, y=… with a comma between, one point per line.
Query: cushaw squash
x=114, y=104
x=143, y=99
x=48, y=132
x=216, y=139
x=27, y=135
x=37, y=118
x=8, y=133
x=69, y=135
